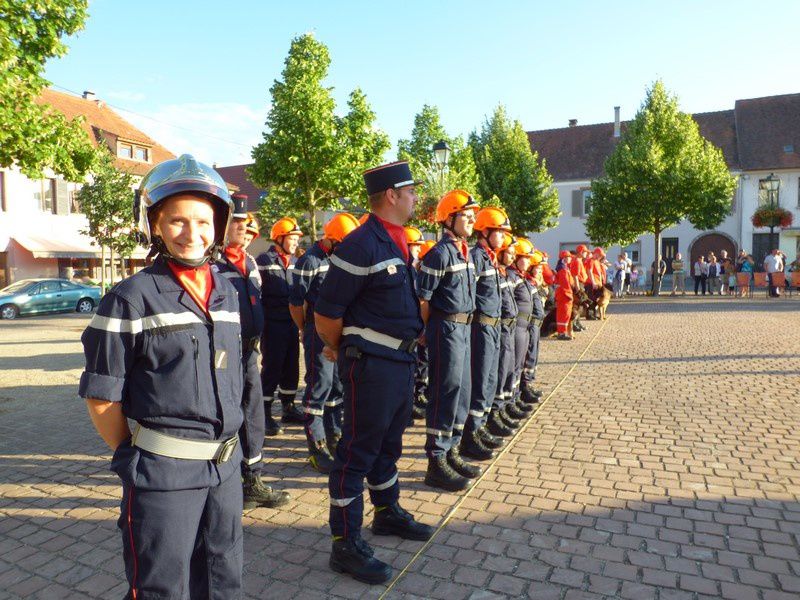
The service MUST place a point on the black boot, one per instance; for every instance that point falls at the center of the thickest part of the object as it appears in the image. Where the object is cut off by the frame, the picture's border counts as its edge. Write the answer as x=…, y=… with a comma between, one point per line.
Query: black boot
x=354, y=557
x=489, y=440
x=441, y=475
x=271, y=427
x=529, y=396
x=319, y=457
x=291, y=414
x=510, y=421
x=393, y=520
x=497, y=426
x=462, y=467
x=473, y=448
x=331, y=441
x=258, y=494
x=513, y=410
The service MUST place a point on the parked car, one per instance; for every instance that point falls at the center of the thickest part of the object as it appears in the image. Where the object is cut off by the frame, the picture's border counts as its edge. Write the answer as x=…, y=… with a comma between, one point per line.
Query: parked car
x=37, y=296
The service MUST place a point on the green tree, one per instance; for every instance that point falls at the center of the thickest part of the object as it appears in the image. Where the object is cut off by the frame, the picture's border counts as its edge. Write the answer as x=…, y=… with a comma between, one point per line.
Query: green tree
x=460, y=172
x=662, y=171
x=33, y=136
x=362, y=146
x=511, y=171
x=107, y=202
x=310, y=159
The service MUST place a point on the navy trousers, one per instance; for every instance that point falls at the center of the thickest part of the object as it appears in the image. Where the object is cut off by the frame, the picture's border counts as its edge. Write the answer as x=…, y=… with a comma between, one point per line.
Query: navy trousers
x=377, y=406
x=484, y=361
x=183, y=544
x=521, y=342
x=421, y=372
x=251, y=434
x=322, y=399
x=280, y=361
x=449, y=384
x=505, y=371
x=531, y=357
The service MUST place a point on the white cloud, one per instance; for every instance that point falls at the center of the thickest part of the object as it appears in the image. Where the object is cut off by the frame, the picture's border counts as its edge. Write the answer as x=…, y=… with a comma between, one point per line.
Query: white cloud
x=222, y=132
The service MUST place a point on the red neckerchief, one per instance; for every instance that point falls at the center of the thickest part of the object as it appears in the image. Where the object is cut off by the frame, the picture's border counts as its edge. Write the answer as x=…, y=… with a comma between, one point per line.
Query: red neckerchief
x=398, y=235
x=327, y=251
x=502, y=270
x=197, y=282
x=282, y=255
x=489, y=251
x=460, y=244
x=238, y=258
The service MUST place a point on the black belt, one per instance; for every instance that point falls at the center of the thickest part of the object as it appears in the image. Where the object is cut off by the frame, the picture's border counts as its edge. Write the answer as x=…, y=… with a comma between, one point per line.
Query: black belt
x=252, y=344
x=486, y=319
x=463, y=318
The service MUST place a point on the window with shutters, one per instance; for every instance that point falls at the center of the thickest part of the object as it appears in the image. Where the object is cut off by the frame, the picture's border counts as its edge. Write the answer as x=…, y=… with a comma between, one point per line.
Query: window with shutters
x=45, y=195
x=74, y=203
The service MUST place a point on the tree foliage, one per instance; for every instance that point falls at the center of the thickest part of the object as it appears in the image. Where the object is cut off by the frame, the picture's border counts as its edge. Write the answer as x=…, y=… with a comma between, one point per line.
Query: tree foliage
x=460, y=172
x=509, y=170
x=310, y=158
x=107, y=202
x=33, y=136
x=662, y=171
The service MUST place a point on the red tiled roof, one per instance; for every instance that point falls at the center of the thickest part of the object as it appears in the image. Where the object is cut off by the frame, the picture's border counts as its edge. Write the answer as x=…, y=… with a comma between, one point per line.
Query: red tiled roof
x=753, y=136
x=98, y=117
x=765, y=126
x=237, y=175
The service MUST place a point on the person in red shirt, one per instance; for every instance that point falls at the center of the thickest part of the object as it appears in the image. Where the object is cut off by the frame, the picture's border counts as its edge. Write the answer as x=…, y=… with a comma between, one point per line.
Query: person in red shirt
x=576, y=267
x=564, y=297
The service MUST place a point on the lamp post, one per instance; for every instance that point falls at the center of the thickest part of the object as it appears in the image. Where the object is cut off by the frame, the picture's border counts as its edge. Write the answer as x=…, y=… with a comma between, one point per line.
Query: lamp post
x=441, y=156
x=773, y=185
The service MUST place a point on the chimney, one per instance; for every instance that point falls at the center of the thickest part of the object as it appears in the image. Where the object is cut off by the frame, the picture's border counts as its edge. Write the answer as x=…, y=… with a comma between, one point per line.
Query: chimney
x=573, y=122
x=88, y=95
x=616, y=121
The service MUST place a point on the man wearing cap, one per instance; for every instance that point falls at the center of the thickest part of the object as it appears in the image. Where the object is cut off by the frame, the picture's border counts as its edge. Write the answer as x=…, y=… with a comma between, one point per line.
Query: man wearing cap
x=368, y=316
x=280, y=362
x=576, y=267
x=239, y=268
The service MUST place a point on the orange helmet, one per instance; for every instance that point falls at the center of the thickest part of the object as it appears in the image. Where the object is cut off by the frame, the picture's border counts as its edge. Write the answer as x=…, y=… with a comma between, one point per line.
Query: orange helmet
x=524, y=247
x=251, y=225
x=339, y=226
x=413, y=236
x=453, y=202
x=426, y=245
x=536, y=258
x=564, y=254
x=508, y=241
x=492, y=218
x=363, y=218
x=581, y=248
x=599, y=252
x=284, y=226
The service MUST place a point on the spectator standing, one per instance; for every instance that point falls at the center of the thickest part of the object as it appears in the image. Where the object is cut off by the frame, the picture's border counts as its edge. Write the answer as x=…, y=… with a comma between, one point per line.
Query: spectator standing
x=773, y=263
x=726, y=272
x=714, y=276
x=678, y=275
x=620, y=275
x=700, y=275
x=745, y=264
x=628, y=270
x=662, y=269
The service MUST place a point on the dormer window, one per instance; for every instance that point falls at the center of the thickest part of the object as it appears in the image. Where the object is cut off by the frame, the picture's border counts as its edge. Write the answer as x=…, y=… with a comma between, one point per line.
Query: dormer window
x=131, y=151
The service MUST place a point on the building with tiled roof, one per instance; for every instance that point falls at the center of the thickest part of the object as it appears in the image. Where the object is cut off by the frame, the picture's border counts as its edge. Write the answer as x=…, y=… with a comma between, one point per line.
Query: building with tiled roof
x=758, y=137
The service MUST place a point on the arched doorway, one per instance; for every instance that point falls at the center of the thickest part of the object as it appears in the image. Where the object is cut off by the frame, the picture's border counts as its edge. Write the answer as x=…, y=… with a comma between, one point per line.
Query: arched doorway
x=711, y=242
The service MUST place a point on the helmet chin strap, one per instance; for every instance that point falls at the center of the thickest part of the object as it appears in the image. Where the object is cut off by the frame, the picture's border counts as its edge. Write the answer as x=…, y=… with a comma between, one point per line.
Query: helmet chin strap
x=161, y=248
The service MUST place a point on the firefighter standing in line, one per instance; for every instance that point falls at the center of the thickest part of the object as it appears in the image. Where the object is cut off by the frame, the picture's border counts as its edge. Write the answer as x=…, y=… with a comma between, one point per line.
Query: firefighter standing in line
x=564, y=297
x=322, y=398
x=238, y=267
x=280, y=344
x=421, y=374
x=164, y=350
x=529, y=395
x=491, y=225
x=368, y=315
x=446, y=288
x=581, y=277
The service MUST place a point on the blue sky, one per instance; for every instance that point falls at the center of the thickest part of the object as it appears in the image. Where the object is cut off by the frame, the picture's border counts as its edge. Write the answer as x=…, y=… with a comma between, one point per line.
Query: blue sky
x=196, y=75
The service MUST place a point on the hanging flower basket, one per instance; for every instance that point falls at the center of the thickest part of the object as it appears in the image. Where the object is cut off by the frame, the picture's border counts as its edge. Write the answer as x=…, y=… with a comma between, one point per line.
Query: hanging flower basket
x=772, y=217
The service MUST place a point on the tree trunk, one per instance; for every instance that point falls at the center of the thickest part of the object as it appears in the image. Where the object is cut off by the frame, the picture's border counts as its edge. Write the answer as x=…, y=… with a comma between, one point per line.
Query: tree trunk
x=111, y=264
x=102, y=270
x=656, y=278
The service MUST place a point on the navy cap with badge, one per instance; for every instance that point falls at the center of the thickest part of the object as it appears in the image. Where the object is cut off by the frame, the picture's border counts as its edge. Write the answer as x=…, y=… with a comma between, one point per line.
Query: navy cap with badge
x=239, y=206
x=390, y=176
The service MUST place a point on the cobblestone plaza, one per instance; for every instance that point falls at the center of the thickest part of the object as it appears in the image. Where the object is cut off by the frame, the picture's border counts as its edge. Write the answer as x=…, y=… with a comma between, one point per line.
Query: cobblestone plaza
x=662, y=463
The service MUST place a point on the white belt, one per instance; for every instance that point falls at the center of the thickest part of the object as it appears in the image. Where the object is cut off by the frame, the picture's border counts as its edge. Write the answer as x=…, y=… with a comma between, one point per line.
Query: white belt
x=174, y=447
x=375, y=337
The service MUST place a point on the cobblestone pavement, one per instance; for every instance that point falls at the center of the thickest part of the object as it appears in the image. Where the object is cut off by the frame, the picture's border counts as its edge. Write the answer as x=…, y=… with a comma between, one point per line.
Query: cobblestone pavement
x=663, y=464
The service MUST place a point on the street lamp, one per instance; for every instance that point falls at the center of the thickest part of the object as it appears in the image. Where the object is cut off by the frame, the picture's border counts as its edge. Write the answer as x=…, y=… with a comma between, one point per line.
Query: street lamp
x=773, y=186
x=441, y=155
